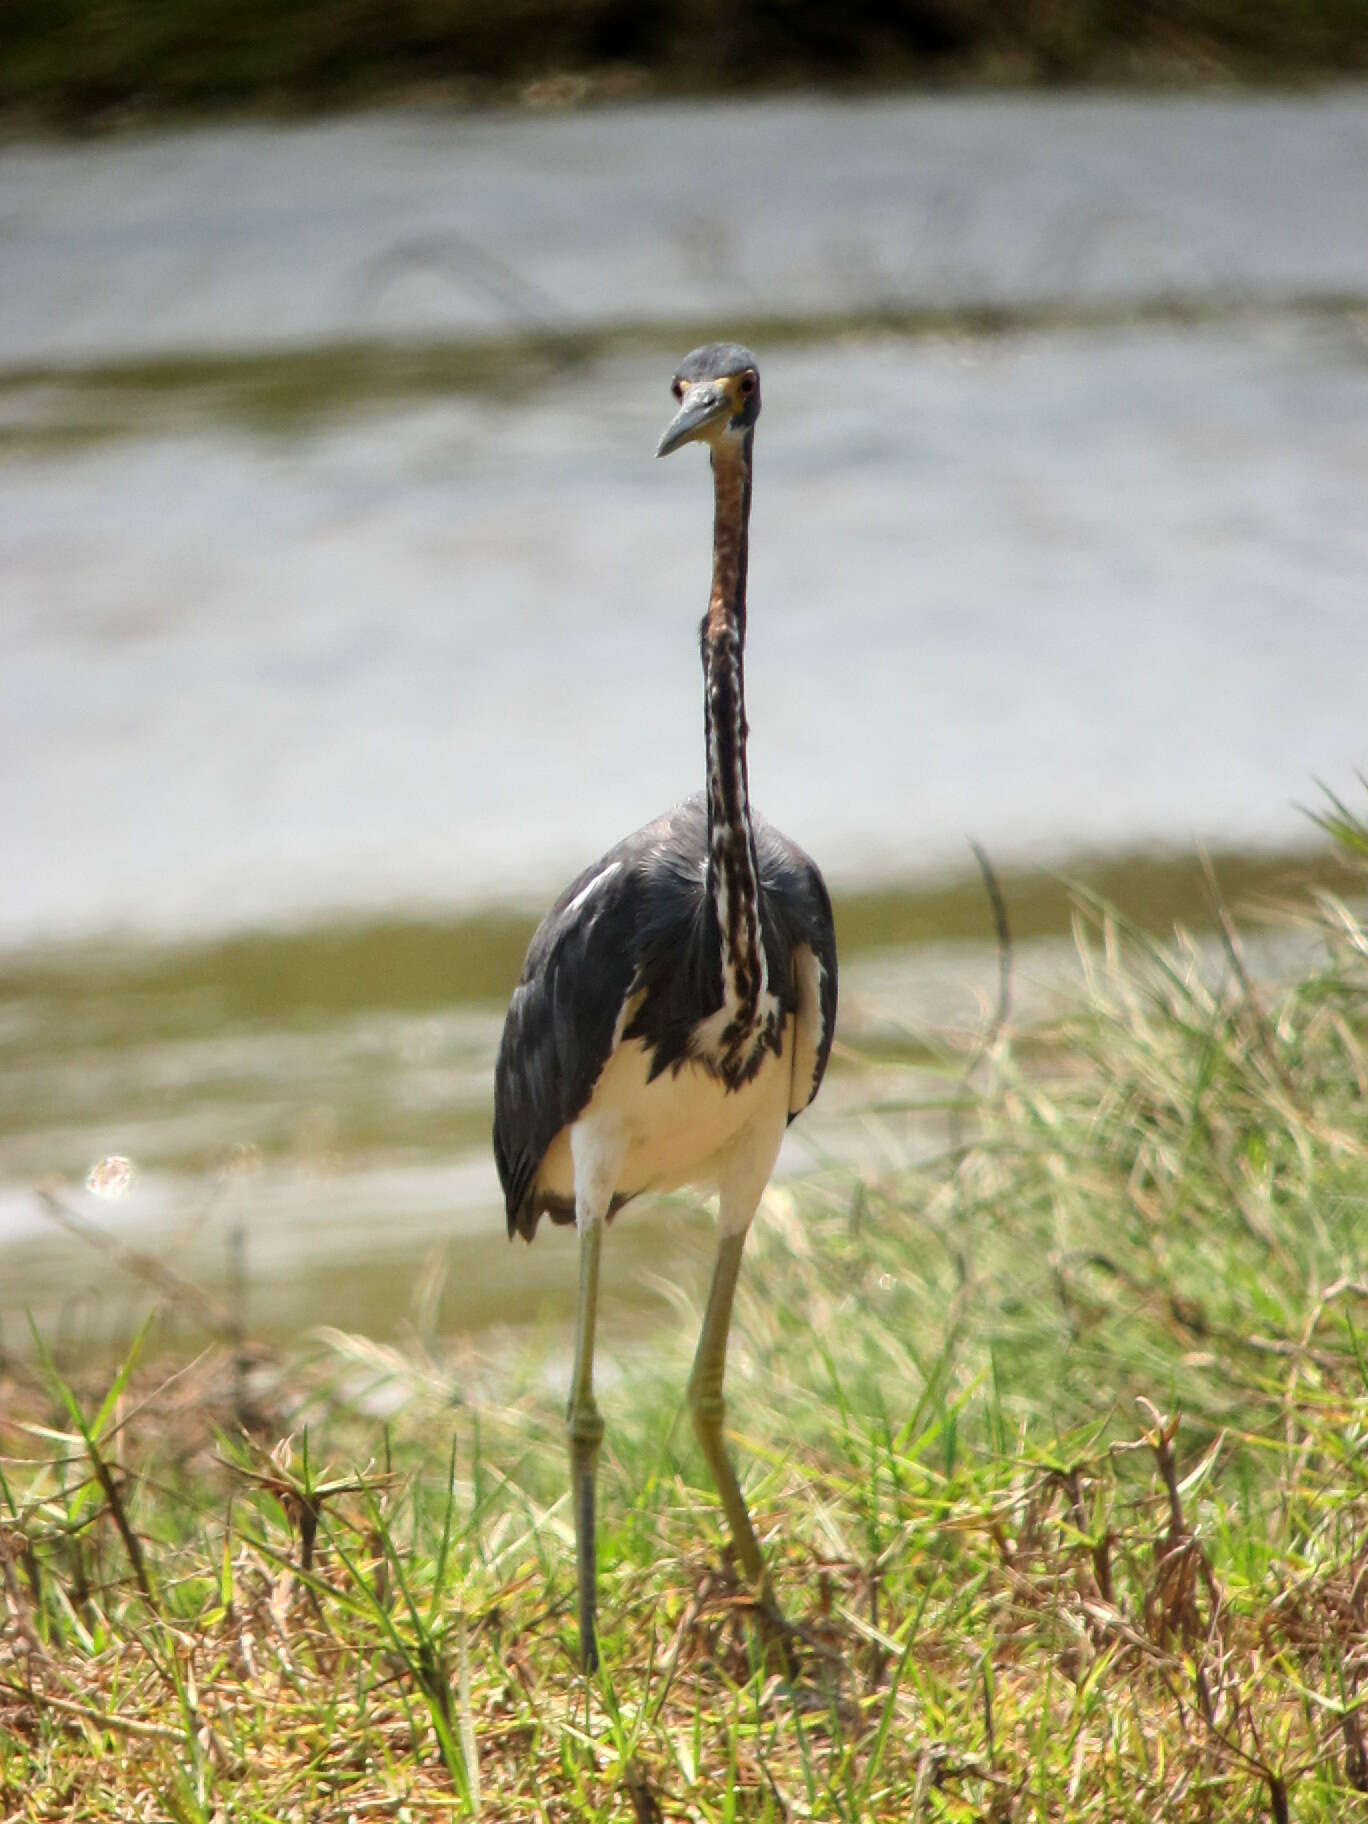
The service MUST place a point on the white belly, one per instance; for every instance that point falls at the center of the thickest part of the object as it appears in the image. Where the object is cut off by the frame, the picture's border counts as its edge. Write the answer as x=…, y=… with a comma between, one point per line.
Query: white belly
x=681, y=1128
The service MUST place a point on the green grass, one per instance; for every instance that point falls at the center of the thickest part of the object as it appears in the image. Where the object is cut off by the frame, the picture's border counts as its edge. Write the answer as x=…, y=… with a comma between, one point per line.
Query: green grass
x=1057, y=1444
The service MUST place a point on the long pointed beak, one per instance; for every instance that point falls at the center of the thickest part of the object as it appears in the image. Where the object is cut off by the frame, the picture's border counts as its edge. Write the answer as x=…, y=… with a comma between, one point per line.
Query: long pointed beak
x=703, y=404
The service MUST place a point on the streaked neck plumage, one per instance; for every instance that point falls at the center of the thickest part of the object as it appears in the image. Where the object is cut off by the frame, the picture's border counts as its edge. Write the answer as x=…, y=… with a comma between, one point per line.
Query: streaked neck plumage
x=733, y=876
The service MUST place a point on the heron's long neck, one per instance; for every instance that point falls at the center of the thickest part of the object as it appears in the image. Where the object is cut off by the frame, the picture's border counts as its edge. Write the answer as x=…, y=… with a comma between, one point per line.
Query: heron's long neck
x=733, y=881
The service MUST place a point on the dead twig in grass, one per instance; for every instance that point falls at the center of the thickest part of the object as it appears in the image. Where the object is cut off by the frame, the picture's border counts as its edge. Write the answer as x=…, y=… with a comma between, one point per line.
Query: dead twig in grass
x=146, y=1267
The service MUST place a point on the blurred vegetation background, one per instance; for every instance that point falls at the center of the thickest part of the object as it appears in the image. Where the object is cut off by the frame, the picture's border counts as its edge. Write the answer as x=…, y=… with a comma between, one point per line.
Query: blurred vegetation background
x=84, y=63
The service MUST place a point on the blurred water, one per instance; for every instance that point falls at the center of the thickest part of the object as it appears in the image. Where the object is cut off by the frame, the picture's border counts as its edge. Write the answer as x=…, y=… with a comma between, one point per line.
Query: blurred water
x=1060, y=592
x=434, y=223
x=317, y=1105
x=290, y=647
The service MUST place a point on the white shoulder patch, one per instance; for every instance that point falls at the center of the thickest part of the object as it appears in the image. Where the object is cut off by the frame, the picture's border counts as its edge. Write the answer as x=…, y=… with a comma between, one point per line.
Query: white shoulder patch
x=585, y=894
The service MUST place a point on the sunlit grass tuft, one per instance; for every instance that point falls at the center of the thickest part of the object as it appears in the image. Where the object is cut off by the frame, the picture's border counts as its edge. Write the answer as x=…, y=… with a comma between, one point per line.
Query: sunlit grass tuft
x=1056, y=1443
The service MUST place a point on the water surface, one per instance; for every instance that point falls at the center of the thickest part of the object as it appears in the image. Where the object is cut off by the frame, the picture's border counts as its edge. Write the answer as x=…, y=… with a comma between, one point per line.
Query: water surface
x=346, y=613
x=1058, y=592
x=305, y=1115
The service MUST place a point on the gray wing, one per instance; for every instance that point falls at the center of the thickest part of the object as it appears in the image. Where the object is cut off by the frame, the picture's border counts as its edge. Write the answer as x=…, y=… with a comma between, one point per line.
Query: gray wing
x=798, y=907
x=559, y=1031
x=634, y=926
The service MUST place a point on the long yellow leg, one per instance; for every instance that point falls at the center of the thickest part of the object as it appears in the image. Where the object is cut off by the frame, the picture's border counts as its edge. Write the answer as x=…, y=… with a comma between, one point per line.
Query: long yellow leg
x=584, y=1424
x=708, y=1409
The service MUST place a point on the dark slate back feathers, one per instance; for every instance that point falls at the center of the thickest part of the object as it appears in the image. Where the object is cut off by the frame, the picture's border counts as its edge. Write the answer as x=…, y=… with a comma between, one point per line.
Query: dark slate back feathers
x=639, y=922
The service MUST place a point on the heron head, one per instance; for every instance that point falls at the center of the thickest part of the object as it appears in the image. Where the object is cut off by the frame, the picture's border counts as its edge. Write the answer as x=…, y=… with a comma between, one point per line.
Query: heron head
x=718, y=389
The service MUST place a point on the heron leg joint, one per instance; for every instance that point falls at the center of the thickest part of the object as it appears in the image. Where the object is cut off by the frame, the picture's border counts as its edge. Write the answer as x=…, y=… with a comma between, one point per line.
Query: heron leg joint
x=707, y=1407
x=584, y=1426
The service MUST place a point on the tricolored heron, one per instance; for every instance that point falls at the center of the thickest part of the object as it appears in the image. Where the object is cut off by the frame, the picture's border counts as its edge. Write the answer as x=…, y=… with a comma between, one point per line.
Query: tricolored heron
x=677, y=1002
